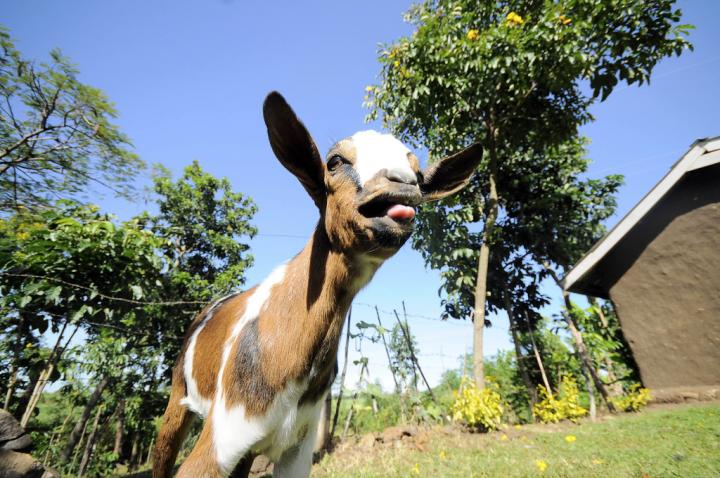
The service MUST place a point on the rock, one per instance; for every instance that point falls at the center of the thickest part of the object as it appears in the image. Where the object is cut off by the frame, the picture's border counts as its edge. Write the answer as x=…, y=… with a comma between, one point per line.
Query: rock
x=397, y=433
x=12, y=435
x=19, y=465
x=261, y=465
x=51, y=473
x=367, y=441
x=23, y=444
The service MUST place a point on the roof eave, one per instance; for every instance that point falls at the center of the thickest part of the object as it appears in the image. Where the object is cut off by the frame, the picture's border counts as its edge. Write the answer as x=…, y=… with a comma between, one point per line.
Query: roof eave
x=702, y=153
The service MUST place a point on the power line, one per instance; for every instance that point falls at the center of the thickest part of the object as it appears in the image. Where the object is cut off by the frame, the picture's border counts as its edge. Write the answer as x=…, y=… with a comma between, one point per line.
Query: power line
x=104, y=296
x=416, y=316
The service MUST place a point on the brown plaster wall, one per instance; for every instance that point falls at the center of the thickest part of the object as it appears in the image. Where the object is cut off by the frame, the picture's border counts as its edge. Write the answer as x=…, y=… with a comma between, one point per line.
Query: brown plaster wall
x=668, y=299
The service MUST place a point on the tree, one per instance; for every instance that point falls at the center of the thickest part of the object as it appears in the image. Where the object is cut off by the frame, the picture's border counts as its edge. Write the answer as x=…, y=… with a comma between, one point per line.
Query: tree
x=401, y=358
x=205, y=226
x=510, y=75
x=56, y=134
x=66, y=269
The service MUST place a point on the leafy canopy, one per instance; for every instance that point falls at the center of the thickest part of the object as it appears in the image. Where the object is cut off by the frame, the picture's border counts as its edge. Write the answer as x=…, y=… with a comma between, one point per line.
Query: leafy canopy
x=517, y=69
x=518, y=76
x=204, y=221
x=56, y=133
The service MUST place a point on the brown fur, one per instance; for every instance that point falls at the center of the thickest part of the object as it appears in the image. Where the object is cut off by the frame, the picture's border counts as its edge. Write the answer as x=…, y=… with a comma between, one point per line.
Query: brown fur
x=201, y=461
x=175, y=425
x=211, y=340
x=299, y=328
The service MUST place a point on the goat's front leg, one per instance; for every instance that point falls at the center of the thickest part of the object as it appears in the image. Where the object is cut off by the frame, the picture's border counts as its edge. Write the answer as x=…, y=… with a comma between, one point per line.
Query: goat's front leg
x=296, y=462
x=203, y=459
x=218, y=453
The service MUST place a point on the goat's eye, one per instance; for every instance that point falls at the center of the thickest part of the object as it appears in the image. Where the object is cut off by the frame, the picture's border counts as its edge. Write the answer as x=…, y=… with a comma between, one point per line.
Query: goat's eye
x=335, y=162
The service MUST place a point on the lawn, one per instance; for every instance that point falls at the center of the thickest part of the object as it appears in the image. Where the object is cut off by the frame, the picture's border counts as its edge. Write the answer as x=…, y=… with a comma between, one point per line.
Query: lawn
x=678, y=442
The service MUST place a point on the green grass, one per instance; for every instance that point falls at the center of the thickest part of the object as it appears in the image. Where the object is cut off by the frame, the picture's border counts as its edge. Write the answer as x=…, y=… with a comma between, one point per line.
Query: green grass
x=680, y=442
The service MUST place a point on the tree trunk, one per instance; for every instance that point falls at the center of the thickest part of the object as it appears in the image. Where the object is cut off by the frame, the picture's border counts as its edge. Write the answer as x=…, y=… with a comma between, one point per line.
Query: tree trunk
x=522, y=367
x=14, y=367
x=348, y=419
x=134, y=451
x=10, y=386
x=616, y=386
x=591, y=396
x=119, y=430
x=150, y=451
x=52, y=361
x=87, y=453
x=582, y=351
x=482, y=274
x=77, y=429
x=76, y=453
x=42, y=379
x=56, y=433
x=342, y=376
x=539, y=361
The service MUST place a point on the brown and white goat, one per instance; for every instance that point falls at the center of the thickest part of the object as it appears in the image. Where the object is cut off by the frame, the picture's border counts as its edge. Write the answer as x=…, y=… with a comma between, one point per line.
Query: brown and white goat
x=258, y=364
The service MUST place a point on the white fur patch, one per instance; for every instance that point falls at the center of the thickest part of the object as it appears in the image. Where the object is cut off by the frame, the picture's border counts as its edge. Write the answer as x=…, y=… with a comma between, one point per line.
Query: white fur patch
x=277, y=433
x=376, y=151
x=194, y=400
x=233, y=433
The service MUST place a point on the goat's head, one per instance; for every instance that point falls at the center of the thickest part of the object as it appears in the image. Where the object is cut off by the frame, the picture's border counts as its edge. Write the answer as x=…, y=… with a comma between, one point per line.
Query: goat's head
x=370, y=183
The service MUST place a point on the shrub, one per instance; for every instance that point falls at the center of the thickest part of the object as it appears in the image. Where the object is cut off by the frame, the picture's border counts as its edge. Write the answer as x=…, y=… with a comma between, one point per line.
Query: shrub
x=636, y=398
x=565, y=405
x=479, y=409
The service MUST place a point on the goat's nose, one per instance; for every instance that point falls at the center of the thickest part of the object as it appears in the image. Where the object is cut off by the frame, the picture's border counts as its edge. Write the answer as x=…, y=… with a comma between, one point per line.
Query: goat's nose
x=402, y=176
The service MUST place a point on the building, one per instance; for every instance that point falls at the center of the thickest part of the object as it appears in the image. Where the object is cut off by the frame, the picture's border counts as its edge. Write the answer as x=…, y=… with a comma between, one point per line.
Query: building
x=660, y=266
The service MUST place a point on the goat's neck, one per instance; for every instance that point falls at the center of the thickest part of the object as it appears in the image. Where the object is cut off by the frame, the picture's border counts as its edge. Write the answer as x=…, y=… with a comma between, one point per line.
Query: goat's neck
x=326, y=279
x=307, y=309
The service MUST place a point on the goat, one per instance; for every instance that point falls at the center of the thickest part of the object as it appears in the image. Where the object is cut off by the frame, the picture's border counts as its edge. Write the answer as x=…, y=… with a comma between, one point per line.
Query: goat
x=258, y=364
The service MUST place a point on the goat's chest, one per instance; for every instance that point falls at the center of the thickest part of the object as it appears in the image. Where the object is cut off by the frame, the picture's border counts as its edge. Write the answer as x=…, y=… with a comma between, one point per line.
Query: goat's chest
x=290, y=422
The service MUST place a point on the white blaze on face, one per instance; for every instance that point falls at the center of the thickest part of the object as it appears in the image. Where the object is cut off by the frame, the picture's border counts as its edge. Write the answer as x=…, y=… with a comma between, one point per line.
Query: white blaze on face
x=376, y=151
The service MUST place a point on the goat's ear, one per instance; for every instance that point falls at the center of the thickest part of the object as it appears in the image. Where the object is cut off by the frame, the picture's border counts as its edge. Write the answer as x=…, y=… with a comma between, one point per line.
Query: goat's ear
x=294, y=147
x=450, y=174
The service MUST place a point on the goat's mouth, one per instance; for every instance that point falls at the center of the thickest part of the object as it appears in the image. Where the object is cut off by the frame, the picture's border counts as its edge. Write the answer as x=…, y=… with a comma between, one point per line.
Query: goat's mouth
x=388, y=204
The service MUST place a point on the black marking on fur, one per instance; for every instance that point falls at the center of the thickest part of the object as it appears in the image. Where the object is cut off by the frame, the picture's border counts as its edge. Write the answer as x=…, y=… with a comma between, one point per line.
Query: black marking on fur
x=249, y=378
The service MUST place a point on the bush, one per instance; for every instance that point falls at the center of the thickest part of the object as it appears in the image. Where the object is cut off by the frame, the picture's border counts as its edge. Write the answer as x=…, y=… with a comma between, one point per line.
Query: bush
x=636, y=398
x=479, y=409
x=563, y=406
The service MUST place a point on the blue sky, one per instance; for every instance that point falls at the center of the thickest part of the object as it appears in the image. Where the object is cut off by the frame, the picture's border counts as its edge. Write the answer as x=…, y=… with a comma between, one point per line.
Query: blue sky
x=189, y=78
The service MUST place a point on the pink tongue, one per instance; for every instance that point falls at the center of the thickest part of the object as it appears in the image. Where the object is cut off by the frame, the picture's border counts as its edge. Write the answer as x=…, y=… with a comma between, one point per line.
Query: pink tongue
x=398, y=211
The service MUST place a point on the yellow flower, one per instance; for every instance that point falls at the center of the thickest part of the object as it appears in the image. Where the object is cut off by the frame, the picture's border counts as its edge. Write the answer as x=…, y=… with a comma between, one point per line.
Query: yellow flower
x=504, y=437
x=21, y=236
x=443, y=456
x=369, y=88
x=564, y=20
x=514, y=19
x=396, y=63
x=472, y=34
x=541, y=464
x=392, y=53
x=597, y=461
x=517, y=427
x=570, y=438
x=416, y=469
